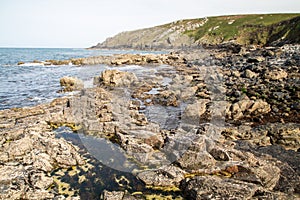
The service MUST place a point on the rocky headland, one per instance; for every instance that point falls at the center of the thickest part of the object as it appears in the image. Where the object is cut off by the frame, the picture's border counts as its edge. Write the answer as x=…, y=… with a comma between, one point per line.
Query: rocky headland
x=219, y=123
x=259, y=29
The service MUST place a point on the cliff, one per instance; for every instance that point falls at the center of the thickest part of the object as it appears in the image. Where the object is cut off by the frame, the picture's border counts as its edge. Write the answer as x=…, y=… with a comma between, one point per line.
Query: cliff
x=262, y=29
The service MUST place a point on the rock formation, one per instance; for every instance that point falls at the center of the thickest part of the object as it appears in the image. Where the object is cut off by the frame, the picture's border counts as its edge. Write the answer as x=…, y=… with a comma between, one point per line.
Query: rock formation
x=217, y=124
x=275, y=29
x=70, y=84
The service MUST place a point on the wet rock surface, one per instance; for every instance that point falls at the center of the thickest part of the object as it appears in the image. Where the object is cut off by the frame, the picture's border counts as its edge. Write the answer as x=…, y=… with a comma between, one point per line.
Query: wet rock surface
x=211, y=124
x=29, y=152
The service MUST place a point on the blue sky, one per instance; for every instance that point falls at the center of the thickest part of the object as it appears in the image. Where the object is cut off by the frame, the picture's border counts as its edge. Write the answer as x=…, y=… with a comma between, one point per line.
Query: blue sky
x=83, y=23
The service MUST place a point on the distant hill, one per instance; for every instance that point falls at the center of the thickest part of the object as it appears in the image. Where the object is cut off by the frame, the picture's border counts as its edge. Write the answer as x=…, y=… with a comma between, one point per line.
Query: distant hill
x=260, y=29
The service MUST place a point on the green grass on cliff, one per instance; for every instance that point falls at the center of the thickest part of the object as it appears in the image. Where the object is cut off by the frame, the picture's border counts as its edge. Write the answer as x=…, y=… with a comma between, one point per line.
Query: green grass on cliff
x=256, y=29
x=246, y=29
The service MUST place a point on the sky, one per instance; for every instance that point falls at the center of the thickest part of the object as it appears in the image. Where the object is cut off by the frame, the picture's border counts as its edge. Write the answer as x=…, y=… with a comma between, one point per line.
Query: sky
x=84, y=23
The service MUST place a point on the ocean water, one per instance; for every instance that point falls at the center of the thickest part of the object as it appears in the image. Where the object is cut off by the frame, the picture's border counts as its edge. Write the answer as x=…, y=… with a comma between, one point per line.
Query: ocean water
x=31, y=84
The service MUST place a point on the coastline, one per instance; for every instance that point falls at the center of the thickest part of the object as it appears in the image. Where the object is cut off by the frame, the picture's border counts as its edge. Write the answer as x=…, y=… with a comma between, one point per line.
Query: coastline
x=254, y=110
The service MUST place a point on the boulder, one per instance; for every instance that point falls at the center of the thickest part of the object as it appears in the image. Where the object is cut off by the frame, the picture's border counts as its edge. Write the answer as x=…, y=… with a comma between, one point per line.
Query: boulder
x=166, y=98
x=192, y=160
x=250, y=74
x=249, y=107
x=193, y=112
x=116, y=78
x=235, y=73
x=259, y=107
x=166, y=176
x=70, y=84
x=276, y=74
x=213, y=187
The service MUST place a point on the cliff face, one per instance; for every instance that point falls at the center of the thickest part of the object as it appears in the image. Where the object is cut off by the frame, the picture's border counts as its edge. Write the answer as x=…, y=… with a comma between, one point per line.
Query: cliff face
x=168, y=35
x=265, y=29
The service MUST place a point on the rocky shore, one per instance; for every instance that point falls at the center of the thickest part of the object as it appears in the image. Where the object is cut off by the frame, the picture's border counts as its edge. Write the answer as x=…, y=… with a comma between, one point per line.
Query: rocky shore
x=219, y=123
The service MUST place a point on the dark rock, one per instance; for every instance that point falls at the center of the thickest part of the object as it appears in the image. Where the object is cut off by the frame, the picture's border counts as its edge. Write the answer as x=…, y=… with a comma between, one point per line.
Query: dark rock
x=287, y=135
x=213, y=187
x=219, y=155
x=255, y=59
x=268, y=53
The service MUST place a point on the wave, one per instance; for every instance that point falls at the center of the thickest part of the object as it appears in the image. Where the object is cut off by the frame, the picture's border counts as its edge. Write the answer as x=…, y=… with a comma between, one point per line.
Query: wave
x=31, y=64
x=34, y=64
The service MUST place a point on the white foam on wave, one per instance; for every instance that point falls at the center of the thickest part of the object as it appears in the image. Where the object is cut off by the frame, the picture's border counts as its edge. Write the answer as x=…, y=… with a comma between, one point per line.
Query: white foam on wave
x=31, y=64
x=72, y=93
x=36, y=99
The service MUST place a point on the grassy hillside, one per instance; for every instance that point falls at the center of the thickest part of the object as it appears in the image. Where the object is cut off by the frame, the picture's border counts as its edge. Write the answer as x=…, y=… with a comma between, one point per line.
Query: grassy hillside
x=248, y=29
x=260, y=29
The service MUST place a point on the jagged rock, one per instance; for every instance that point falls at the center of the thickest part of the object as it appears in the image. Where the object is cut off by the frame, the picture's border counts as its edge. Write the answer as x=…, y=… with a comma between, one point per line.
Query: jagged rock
x=268, y=53
x=235, y=73
x=18, y=175
x=250, y=74
x=41, y=161
x=192, y=160
x=70, y=84
x=121, y=61
x=276, y=74
x=117, y=78
x=166, y=176
x=20, y=147
x=193, y=112
x=258, y=135
x=251, y=167
x=259, y=107
x=265, y=174
x=213, y=187
x=219, y=154
x=282, y=174
x=39, y=194
x=256, y=59
x=166, y=98
x=58, y=62
x=30, y=151
x=140, y=143
x=113, y=195
x=153, y=59
x=40, y=180
x=239, y=109
x=286, y=135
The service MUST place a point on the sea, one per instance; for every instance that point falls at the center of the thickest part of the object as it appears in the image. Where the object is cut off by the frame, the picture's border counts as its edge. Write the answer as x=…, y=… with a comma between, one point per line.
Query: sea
x=33, y=83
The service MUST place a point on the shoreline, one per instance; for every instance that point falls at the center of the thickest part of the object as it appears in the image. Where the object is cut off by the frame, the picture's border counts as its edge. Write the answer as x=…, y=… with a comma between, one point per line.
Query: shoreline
x=245, y=131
